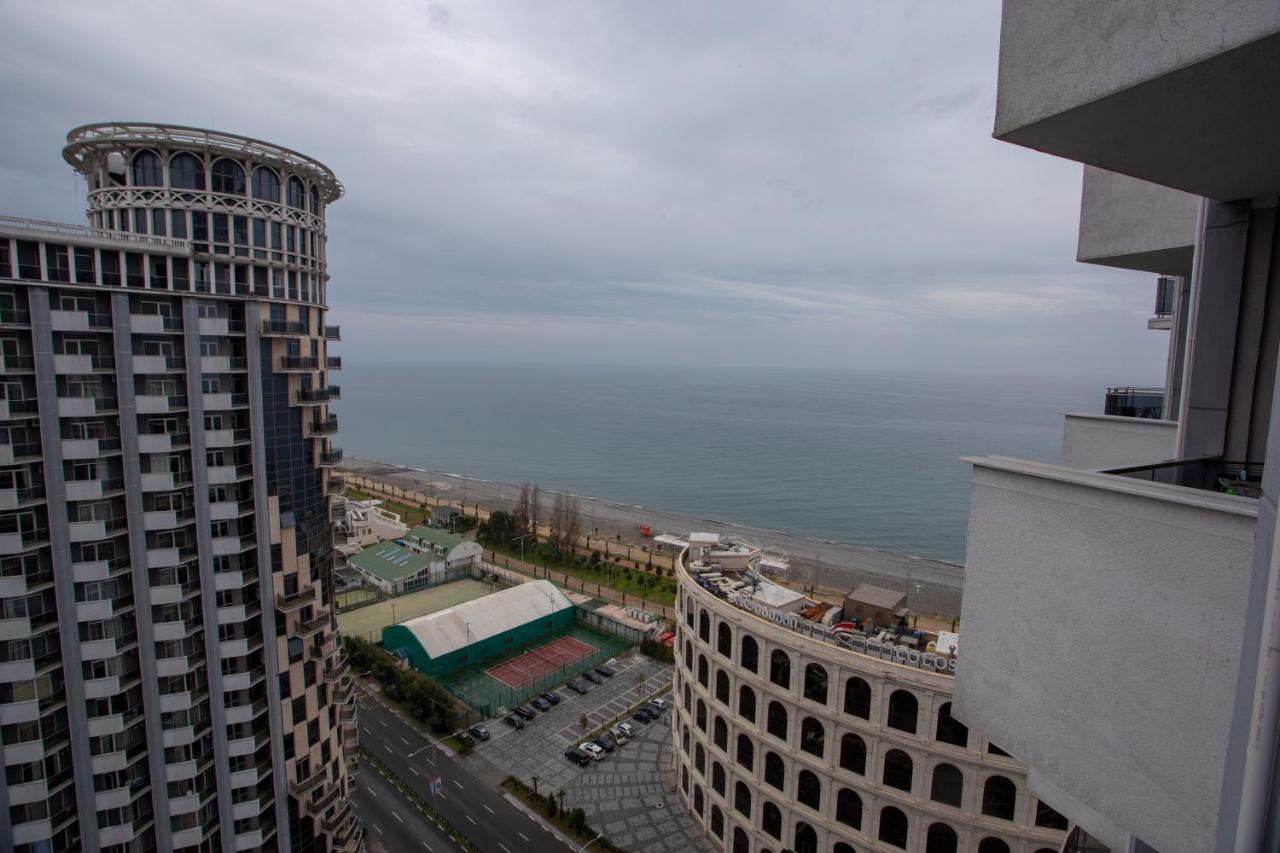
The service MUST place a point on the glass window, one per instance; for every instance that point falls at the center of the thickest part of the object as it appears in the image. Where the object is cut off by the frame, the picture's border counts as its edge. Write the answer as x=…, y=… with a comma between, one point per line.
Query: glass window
x=186, y=172
x=227, y=176
x=903, y=710
x=297, y=193
x=266, y=184
x=178, y=220
x=146, y=169
x=947, y=786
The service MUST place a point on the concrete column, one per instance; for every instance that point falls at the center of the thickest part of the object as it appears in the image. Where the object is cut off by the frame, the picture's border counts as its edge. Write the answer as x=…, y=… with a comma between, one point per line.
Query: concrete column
x=1217, y=280
x=64, y=581
x=208, y=585
x=1177, y=358
x=266, y=587
x=126, y=395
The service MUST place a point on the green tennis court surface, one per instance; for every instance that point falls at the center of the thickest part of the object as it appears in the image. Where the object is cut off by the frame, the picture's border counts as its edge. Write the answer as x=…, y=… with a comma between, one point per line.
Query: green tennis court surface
x=486, y=694
x=368, y=622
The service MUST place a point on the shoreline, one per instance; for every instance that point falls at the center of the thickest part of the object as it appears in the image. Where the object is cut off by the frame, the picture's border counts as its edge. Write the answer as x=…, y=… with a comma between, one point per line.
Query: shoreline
x=932, y=586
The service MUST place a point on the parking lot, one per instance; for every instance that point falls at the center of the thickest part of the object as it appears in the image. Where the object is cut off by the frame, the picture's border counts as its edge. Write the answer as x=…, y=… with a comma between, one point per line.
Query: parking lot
x=628, y=794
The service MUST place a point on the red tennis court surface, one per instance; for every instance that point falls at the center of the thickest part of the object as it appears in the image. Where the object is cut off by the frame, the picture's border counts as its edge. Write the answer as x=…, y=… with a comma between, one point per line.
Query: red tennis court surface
x=518, y=672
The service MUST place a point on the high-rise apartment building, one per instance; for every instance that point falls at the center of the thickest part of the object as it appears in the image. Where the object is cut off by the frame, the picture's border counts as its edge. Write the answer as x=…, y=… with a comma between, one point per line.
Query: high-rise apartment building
x=170, y=676
x=1120, y=609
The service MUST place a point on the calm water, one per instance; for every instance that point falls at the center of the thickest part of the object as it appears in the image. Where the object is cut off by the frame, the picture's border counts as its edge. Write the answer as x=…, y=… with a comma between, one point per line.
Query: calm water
x=866, y=458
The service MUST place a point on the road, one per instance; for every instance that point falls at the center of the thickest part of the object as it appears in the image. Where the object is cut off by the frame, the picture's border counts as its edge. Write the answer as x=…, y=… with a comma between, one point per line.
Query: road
x=477, y=810
x=933, y=586
x=392, y=824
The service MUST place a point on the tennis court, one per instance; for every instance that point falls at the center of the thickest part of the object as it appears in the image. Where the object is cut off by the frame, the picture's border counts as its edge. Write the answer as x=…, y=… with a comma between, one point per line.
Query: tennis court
x=485, y=692
x=518, y=672
x=368, y=622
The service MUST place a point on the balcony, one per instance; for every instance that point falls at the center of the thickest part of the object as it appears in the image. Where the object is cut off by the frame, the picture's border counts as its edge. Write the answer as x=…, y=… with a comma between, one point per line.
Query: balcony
x=311, y=627
x=1130, y=402
x=158, y=363
x=299, y=362
x=11, y=409
x=13, y=498
x=79, y=321
x=222, y=474
x=325, y=426
x=333, y=362
x=160, y=404
x=335, y=485
x=154, y=324
x=214, y=326
x=293, y=601
x=319, y=395
x=332, y=333
x=283, y=328
x=20, y=542
x=1103, y=622
x=225, y=437
x=79, y=365
x=85, y=407
x=330, y=458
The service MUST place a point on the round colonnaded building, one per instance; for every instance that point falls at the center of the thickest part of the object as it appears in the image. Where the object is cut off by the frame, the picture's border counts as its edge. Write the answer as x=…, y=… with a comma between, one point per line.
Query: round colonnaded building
x=787, y=739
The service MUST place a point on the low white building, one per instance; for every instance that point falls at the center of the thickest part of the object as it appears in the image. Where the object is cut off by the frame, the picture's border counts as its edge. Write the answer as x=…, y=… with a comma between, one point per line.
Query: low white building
x=367, y=523
x=451, y=550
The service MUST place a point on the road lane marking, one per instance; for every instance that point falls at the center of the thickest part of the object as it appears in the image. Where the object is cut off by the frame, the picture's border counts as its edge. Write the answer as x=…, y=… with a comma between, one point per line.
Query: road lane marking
x=372, y=792
x=468, y=817
x=414, y=772
x=367, y=729
x=428, y=846
x=388, y=749
x=489, y=810
x=405, y=742
x=503, y=846
x=375, y=826
x=525, y=837
x=382, y=723
x=459, y=784
x=397, y=817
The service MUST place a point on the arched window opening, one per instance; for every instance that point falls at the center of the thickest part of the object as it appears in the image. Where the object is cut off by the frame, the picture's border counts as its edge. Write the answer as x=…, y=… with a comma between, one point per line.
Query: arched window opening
x=849, y=808
x=742, y=799
x=750, y=659
x=815, y=683
x=697, y=799
x=857, y=698
x=771, y=820
x=724, y=640
x=893, y=827
x=746, y=753
x=700, y=759
x=853, y=754
x=941, y=839
x=146, y=170
x=717, y=778
x=688, y=699
x=806, y=840
x=999, y=798
x=777, y=720
x=948, y=785
x=266, y=184
x=717, y=822
x=721, y=736
x=840, y=847
x=227, y=177
x=315, y=200
x=774, y=772
x=296, y=194
x=741, y=844
x=1048, y=817
x=813, y=737
x=704, y=626
x=701, y=716
x=951, y=730
x=903, y=711
x=780, y=668
x=722, y=687
x=898, y=770
x=702, y=671
x=809, y=790
x=992, y=845
x=747, y=703
x=688, y=655
x=186, y=172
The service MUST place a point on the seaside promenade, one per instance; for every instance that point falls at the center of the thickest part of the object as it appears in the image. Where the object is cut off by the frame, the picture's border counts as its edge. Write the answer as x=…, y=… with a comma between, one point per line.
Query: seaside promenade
x=932, y=586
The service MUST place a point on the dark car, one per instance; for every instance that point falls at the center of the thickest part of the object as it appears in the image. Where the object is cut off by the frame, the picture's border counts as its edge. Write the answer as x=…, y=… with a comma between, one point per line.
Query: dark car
x=642, y=716
x=606, y=671
x=479, y=732
x=655, y=710
x=553, y=698
x=513, y=721
x=608, y=738
x=527, y=713
x=577, y=687
x=605, y=744
x=541, y=704
x=592, y=677
x=577, y=756
x=466, y=740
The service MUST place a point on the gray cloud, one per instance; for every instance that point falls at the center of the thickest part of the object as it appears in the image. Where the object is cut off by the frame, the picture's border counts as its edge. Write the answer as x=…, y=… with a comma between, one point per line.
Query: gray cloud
x=736, y=183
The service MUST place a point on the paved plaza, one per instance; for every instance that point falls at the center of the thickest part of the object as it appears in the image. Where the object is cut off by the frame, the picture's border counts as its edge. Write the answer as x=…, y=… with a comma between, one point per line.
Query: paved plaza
x=628, y=796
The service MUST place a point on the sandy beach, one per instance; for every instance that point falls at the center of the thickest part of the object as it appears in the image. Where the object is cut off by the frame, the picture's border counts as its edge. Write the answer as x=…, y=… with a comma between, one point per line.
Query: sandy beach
x=932, y=586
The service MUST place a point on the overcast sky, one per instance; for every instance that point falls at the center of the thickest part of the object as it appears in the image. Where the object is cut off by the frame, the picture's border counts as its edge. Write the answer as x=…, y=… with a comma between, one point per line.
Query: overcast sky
x=732, y=183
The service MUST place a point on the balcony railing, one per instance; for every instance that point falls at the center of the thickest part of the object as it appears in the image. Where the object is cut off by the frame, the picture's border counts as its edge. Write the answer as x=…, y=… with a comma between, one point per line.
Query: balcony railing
x=327, y=426
x=299, y=362
x=1129, y=402
x=1210, y=474
x=283, y=327
x=319, y=395
x=336, y=485
x=329, y=458
x=333, y=362
x=332, y=333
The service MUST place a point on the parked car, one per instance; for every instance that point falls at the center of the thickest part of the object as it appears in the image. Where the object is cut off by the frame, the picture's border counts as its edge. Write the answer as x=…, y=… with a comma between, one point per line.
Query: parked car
x=605, y=743
x=541, y=704
x=466, y=739
x=592, y=677
x=526, y=713
x=553, y=698
x=479, y=732
x=513, y=721
x=661, y=704
x=642, y=716
x=619, y=734
x=594, y=751
x=654, y=708
x=627, y=729
x=606, y=671
x=577, y=687
x=579, y=757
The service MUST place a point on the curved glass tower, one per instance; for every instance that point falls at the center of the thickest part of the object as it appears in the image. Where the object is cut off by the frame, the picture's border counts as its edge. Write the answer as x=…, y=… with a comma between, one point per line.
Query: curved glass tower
x=170, y=675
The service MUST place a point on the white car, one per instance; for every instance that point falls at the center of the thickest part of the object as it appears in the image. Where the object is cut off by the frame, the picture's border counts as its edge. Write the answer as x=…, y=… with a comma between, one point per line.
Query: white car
x=627, y=730
x=619, y=734
x=659, y=703
x=596, y=752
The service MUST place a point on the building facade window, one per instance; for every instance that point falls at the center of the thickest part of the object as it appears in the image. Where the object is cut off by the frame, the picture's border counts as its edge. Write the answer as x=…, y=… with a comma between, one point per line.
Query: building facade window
x=941, y=839
x=991, y=844
x=849, y=808
x=813, y=736
x=186, y=172
x=806, y=840
x=722, y=687
x=903, y=711
x=780, y=668
x=746, y=753
x=950, y=730
x=999, y=798
x=750, y=656
x=747, y=703
x=898, y=770
x=815, y=683
x=721, y=734
x=853, y=754
x=266, y=184
x=776, y=720
x=704, y=626
x=947, y=786
x=809, y=790
x=146, y=170
x=775, y=773
x=296, y=193
x=742, y=799
x=893, y=827
x=857, y=698
x=227, y=177
x=724, y=640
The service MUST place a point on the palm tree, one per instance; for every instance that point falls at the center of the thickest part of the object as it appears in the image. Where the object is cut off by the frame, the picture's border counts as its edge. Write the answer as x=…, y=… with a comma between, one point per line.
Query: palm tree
x=535, y=779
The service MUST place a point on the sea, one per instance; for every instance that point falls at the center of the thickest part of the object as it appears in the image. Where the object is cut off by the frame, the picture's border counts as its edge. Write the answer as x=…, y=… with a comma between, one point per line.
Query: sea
x=867, y=458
